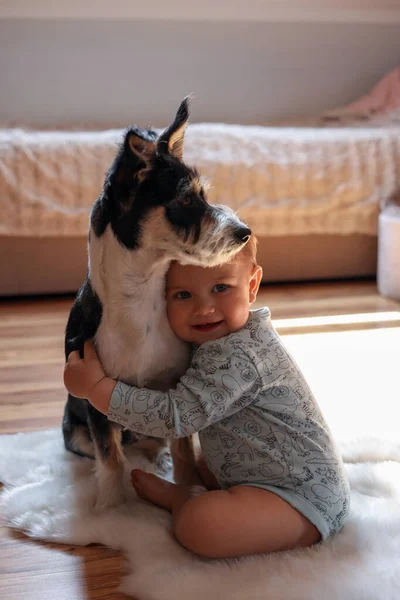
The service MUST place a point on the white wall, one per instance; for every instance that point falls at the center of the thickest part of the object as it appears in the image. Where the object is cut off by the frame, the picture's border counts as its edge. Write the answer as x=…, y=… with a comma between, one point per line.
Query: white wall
x=250, y=65
x=361, y=11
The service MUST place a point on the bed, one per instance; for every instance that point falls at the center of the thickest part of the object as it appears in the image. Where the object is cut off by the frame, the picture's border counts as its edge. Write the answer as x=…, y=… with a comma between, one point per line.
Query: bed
x=310, y=191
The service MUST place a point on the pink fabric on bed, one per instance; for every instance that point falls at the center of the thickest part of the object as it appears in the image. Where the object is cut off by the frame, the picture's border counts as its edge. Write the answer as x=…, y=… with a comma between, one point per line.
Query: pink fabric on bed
x=384, y=96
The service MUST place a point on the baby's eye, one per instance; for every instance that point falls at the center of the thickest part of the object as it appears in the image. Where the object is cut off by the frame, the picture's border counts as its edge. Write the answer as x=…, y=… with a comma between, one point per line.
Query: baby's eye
x=220, y=287
x=182, y=295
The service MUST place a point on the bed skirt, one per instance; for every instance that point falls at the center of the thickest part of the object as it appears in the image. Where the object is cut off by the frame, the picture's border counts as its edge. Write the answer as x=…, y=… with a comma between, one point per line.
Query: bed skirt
x=57, y=265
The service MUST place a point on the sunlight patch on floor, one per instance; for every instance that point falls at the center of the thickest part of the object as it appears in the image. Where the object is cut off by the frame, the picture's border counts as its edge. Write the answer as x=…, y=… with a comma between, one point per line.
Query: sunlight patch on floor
x=379, y=317
x=355, y=376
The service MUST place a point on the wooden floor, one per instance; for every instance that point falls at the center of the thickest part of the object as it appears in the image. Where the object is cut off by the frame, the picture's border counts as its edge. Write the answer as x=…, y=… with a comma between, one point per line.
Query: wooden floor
x=345, y=337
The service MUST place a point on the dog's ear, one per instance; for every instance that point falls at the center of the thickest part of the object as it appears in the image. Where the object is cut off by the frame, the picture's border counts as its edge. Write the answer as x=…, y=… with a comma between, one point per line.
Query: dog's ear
x=124, y=177
x=140, y=143
x=171, y=141
x=133, y=158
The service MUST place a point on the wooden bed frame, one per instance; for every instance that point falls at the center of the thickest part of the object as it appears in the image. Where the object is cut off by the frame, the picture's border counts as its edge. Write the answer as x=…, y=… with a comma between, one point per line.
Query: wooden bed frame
x=30, y=266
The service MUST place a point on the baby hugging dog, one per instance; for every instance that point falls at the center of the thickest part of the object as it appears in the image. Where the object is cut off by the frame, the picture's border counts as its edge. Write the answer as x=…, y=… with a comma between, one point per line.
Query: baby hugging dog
x=152, y=210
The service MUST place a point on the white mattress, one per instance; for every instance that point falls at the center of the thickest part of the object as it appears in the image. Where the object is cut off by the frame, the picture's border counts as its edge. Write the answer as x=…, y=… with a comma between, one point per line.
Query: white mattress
x=320, y=178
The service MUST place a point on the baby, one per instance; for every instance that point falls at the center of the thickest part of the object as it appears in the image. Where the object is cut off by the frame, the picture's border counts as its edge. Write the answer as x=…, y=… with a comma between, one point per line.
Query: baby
x=280, y=477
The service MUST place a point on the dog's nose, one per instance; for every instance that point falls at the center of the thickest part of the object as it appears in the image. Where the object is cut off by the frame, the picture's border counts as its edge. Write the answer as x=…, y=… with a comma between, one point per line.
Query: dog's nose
x=243, y=234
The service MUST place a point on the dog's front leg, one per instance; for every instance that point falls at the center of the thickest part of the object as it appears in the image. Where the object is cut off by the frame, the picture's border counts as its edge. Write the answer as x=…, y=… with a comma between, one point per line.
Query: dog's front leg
x=110, y=460
x=183, y=454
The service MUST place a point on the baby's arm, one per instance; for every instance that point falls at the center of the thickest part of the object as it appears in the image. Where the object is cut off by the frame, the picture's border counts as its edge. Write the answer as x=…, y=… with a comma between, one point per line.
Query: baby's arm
x=85, y=378
x=199, y=399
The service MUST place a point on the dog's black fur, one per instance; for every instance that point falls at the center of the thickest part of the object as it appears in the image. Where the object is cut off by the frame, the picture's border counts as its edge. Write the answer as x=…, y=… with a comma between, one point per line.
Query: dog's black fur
x=147, y=175
x=79, y=415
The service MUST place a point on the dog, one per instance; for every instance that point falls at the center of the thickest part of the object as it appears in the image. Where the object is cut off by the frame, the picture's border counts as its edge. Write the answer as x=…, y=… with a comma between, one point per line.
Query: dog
x=152, y=210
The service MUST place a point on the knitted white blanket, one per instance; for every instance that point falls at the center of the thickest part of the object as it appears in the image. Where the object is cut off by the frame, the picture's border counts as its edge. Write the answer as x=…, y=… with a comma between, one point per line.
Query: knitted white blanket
x=49, y=494
x=326, y=177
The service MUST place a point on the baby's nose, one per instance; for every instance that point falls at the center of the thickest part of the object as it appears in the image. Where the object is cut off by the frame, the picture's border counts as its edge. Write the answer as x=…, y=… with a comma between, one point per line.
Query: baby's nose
x=205, y=308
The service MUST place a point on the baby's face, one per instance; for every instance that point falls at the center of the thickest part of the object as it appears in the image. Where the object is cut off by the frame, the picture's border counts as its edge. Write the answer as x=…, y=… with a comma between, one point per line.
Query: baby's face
x=206, y=304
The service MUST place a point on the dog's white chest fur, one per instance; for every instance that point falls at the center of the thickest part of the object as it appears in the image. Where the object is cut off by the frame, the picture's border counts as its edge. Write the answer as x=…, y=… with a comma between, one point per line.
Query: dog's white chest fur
x=148, y=355
x=134, y=340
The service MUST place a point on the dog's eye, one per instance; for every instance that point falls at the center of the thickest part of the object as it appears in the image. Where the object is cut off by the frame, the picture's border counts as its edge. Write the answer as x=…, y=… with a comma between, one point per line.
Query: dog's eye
x=186, y=201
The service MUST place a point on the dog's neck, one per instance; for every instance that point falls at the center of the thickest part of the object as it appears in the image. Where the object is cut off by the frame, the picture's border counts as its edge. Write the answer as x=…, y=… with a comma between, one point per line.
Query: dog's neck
x=134, y=324
x=117, y=273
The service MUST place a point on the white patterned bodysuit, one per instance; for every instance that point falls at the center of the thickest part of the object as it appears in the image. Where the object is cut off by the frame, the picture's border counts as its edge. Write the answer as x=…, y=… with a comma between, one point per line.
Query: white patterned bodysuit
x=257, y=419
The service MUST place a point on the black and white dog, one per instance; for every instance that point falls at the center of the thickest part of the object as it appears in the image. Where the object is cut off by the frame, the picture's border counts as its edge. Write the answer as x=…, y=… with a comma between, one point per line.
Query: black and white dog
x=153, y=209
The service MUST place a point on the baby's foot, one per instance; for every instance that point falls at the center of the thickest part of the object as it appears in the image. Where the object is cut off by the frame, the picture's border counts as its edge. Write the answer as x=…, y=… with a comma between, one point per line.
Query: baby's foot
x=153, y=488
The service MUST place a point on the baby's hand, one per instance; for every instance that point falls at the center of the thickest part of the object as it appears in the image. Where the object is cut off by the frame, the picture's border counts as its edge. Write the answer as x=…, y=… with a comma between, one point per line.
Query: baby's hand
x=82, y=374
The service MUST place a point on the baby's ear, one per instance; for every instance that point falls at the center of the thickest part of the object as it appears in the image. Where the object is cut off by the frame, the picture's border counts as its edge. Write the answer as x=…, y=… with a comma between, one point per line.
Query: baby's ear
x=254, y=283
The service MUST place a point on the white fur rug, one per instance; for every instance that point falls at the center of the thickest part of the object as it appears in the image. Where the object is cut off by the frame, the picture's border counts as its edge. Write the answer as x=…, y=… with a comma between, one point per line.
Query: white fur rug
x=49, y=494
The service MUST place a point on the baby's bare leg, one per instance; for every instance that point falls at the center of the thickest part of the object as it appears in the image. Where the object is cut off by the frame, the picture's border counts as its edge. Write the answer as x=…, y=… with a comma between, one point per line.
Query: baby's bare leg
x=236, y=522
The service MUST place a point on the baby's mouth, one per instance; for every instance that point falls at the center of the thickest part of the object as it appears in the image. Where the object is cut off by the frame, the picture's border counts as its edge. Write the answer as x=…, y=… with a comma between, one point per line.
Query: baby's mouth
x=207, y=326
